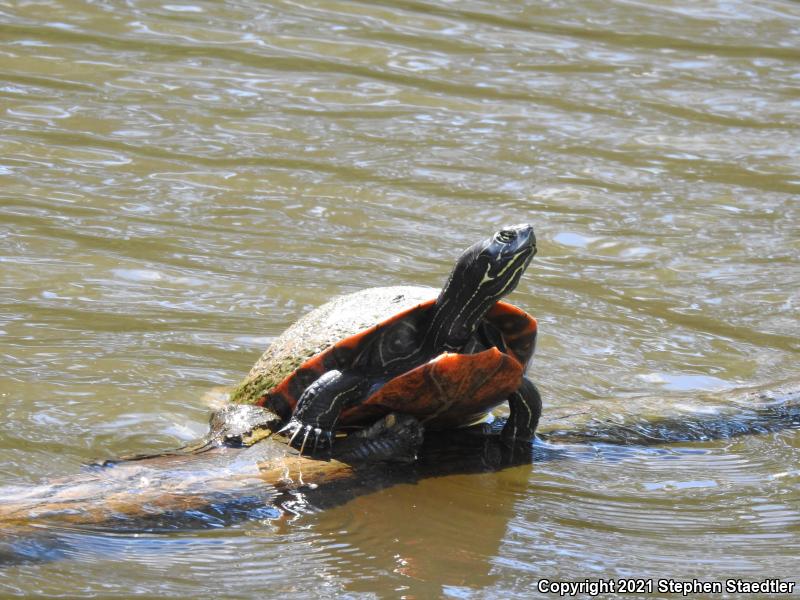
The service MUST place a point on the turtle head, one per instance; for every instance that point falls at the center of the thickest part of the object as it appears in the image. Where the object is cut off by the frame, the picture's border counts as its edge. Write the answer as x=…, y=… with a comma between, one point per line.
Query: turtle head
x=492, y=268
x=485, y=273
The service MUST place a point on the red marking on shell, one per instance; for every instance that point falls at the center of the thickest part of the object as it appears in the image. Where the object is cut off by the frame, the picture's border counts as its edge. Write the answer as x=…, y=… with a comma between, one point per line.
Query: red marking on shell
x=451, y=390
x=521, y=340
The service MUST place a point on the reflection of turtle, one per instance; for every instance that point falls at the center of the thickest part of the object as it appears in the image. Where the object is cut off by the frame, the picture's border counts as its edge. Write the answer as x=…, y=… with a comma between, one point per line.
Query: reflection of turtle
x=445, y=360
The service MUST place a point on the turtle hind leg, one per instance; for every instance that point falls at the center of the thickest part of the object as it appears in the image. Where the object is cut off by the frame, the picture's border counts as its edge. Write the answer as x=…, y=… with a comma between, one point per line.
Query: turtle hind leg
x=314, y=420
x=526, y=408
x=395, y=438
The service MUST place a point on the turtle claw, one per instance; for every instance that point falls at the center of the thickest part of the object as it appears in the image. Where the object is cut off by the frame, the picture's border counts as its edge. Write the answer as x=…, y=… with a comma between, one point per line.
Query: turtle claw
x=321, y=438
x=291, y=430
x=317, y=436
x=305, y=439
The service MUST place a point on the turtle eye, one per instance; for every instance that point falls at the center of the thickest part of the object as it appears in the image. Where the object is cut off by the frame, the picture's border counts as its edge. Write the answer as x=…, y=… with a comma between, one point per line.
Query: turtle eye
x=506, y=235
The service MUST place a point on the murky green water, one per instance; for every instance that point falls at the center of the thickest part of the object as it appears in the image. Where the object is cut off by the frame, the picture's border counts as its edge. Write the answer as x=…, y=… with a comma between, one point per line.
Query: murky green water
x=180, y=181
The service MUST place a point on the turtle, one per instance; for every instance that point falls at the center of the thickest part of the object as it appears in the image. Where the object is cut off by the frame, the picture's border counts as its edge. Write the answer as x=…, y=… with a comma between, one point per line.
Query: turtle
x=446, y=357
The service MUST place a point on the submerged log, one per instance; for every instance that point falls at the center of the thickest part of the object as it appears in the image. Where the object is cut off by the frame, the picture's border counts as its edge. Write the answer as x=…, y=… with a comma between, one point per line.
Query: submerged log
x=171, y=491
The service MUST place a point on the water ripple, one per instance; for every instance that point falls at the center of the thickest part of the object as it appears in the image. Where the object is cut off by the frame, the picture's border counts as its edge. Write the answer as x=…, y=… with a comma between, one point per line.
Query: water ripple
x=183, y=180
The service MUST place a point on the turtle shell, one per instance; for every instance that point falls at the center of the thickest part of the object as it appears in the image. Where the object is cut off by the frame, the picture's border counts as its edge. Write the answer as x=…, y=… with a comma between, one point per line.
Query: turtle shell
x=450, y=390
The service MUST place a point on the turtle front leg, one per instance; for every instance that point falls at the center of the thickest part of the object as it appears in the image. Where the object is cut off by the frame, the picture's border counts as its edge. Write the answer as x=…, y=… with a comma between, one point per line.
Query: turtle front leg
x=526, y=408
x=318, y=409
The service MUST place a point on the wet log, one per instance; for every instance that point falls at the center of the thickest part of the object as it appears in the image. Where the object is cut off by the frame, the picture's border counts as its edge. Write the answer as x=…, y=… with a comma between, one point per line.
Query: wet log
x=171, y=491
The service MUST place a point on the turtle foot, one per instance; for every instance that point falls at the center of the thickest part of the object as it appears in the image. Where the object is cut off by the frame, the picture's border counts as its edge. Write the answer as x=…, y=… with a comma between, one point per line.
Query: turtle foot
x=511, y=440
x=525, y=406
x=396, y=438
x=308, y=439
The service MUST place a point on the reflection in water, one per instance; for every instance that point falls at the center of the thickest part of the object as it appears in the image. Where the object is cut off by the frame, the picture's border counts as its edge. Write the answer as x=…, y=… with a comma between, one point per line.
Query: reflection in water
x=182, y=181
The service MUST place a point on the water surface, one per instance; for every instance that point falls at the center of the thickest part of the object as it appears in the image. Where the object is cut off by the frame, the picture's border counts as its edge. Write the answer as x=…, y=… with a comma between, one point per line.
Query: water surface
x=180, y=181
